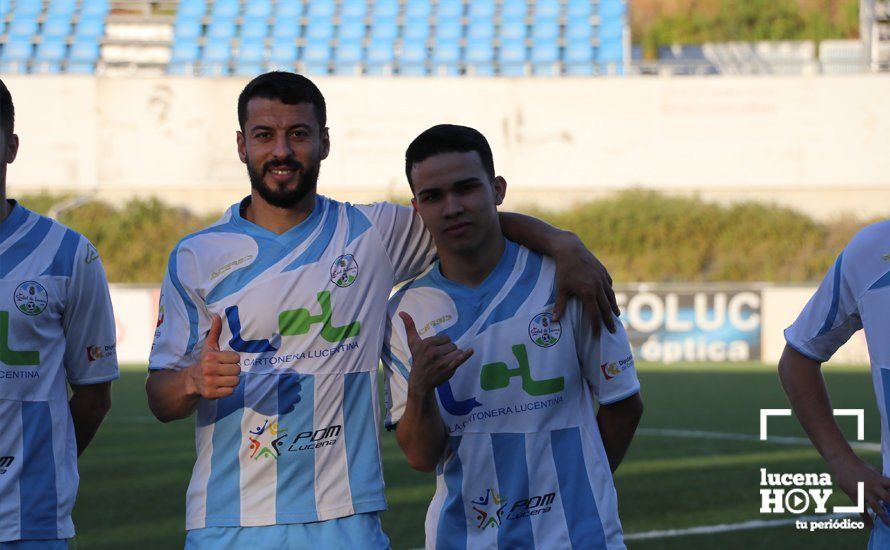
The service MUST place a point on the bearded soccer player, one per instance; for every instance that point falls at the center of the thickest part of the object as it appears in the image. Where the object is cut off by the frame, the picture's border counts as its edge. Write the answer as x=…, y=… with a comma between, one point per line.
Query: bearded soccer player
x=56, y=330
x=271, y=328
x=855, y=294
x=486, y=387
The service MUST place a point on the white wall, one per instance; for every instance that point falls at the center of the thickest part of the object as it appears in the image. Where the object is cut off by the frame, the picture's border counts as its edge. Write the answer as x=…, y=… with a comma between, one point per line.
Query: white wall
x=555, y=139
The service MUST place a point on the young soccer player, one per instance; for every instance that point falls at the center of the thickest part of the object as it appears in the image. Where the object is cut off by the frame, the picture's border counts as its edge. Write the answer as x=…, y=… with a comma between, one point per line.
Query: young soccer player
x=855, y=294
x=271, y=328
x=56, y=331
x=486, y=387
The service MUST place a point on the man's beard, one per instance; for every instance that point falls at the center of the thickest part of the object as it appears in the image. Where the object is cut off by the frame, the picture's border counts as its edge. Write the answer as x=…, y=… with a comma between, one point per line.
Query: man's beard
x=284, y=198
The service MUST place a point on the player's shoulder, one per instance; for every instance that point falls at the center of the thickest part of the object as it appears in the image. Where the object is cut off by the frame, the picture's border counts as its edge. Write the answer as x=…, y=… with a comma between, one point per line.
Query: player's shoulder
x=195, y=242
x=55, y=242
x=871, y=240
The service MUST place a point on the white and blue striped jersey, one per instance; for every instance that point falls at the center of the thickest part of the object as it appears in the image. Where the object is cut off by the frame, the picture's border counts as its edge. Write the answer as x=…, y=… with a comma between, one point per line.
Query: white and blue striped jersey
x=854, y=294
x=56, y=327
x=524, y=466
x=298, y=441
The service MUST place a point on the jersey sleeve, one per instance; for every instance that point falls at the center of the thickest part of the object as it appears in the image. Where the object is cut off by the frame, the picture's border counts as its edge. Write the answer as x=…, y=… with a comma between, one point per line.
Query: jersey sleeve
x=181, y=317
x=606, y=361
x=88, y=322
x=407, y=242
x=830, y=317
x=396, y=368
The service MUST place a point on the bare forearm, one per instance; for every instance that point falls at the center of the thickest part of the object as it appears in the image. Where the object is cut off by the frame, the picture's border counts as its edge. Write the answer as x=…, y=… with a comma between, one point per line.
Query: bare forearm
x=533, y=233
x=618, y=423
x=171, y=396
x=421, y=432
x=88, y=409
x=805, y=387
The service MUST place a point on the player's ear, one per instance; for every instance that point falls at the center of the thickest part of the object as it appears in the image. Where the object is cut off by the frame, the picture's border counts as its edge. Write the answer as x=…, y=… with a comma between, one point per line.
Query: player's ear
x=414, y=204
x=242, y=149
x=325, y=143
x=12, y=149
x=499, y=185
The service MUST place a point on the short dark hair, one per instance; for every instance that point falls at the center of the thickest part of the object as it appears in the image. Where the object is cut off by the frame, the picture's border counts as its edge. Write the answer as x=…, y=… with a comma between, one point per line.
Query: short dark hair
x=288, y=88
x=7, y=112
x=448, y=138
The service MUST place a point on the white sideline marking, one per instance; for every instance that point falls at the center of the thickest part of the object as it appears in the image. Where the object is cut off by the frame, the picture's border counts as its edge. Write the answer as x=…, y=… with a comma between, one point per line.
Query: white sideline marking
x=729, y=436
x=726, y=527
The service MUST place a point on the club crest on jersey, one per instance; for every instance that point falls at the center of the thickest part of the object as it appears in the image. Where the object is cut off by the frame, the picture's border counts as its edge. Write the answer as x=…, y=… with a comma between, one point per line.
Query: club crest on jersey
x=30, y=298
x=544, y=331
x=344, y=270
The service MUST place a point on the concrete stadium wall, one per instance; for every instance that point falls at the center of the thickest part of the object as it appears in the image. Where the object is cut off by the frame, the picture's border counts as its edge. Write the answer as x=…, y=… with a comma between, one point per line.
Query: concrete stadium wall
x=665, y=323
x=817, y=143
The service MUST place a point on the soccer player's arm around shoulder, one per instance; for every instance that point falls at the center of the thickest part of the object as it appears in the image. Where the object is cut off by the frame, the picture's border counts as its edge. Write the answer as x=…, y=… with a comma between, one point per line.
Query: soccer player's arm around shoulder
x=186, y=363
x=407, y=243
x=608, y=367
x=413, y=367
x=90, y=347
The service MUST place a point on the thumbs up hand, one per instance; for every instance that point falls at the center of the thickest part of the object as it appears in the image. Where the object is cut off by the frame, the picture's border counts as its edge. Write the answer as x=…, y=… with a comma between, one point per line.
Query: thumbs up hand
x=216, y=374
x=434, y=359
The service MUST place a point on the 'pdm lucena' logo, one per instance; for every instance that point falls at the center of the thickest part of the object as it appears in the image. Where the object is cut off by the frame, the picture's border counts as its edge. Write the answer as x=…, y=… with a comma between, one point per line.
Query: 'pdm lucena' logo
x=495, y=376
x=544, y=331
x=30, y=298
x=271, y=440
x=293, y=322
x=344, y=270
x=492, y=509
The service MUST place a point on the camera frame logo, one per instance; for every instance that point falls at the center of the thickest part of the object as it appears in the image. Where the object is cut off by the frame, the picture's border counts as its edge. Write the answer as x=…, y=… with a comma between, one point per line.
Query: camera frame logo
x=799, y=493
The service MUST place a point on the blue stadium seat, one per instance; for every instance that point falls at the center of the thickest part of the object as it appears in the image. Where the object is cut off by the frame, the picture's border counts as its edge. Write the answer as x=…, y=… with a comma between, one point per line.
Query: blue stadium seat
x=578, y=9
x=514, y=9
x=480, y=29
x=59, y=8
x=283, y=55
x=28, y=8
x=50, y=54
x=385, y=9
x=512, y=29
x=511, y=58
x=4, y=8
x=611, y=51
x=448, y=29
x=416, y=29
x=480, y=56
x=418, y=9
x=83, y=56
x=450, y=9
x=544, y=57
x=412, y=62
x=191, y=9
x=22, y=27
x=259, y=9
x=285, y=30
x=613, y=30
x=578, y=29
x=354, y=9
x=56, y=26
x=288, y=9
x=249, y=61
x=446, y=58
x=254, y=29
x=379, y=58
x=321, y=8
x=16, y=54
x=545, y=29
x=546, y=9
x=315, y=58
x=481, y=9
x=384, y=30
x=90, y=27
x=221, y=29
x=348, y=58
x=319, y=29
x=350, y=30
x=578, y=58
x=91, y=8
x=187, y=29
x=215, y=58
x=611, y=10
x=225, y=9
x=184, y=51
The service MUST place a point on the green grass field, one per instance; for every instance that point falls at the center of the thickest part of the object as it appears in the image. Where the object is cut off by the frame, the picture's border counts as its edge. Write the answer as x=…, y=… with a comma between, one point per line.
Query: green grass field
x=134, y=476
